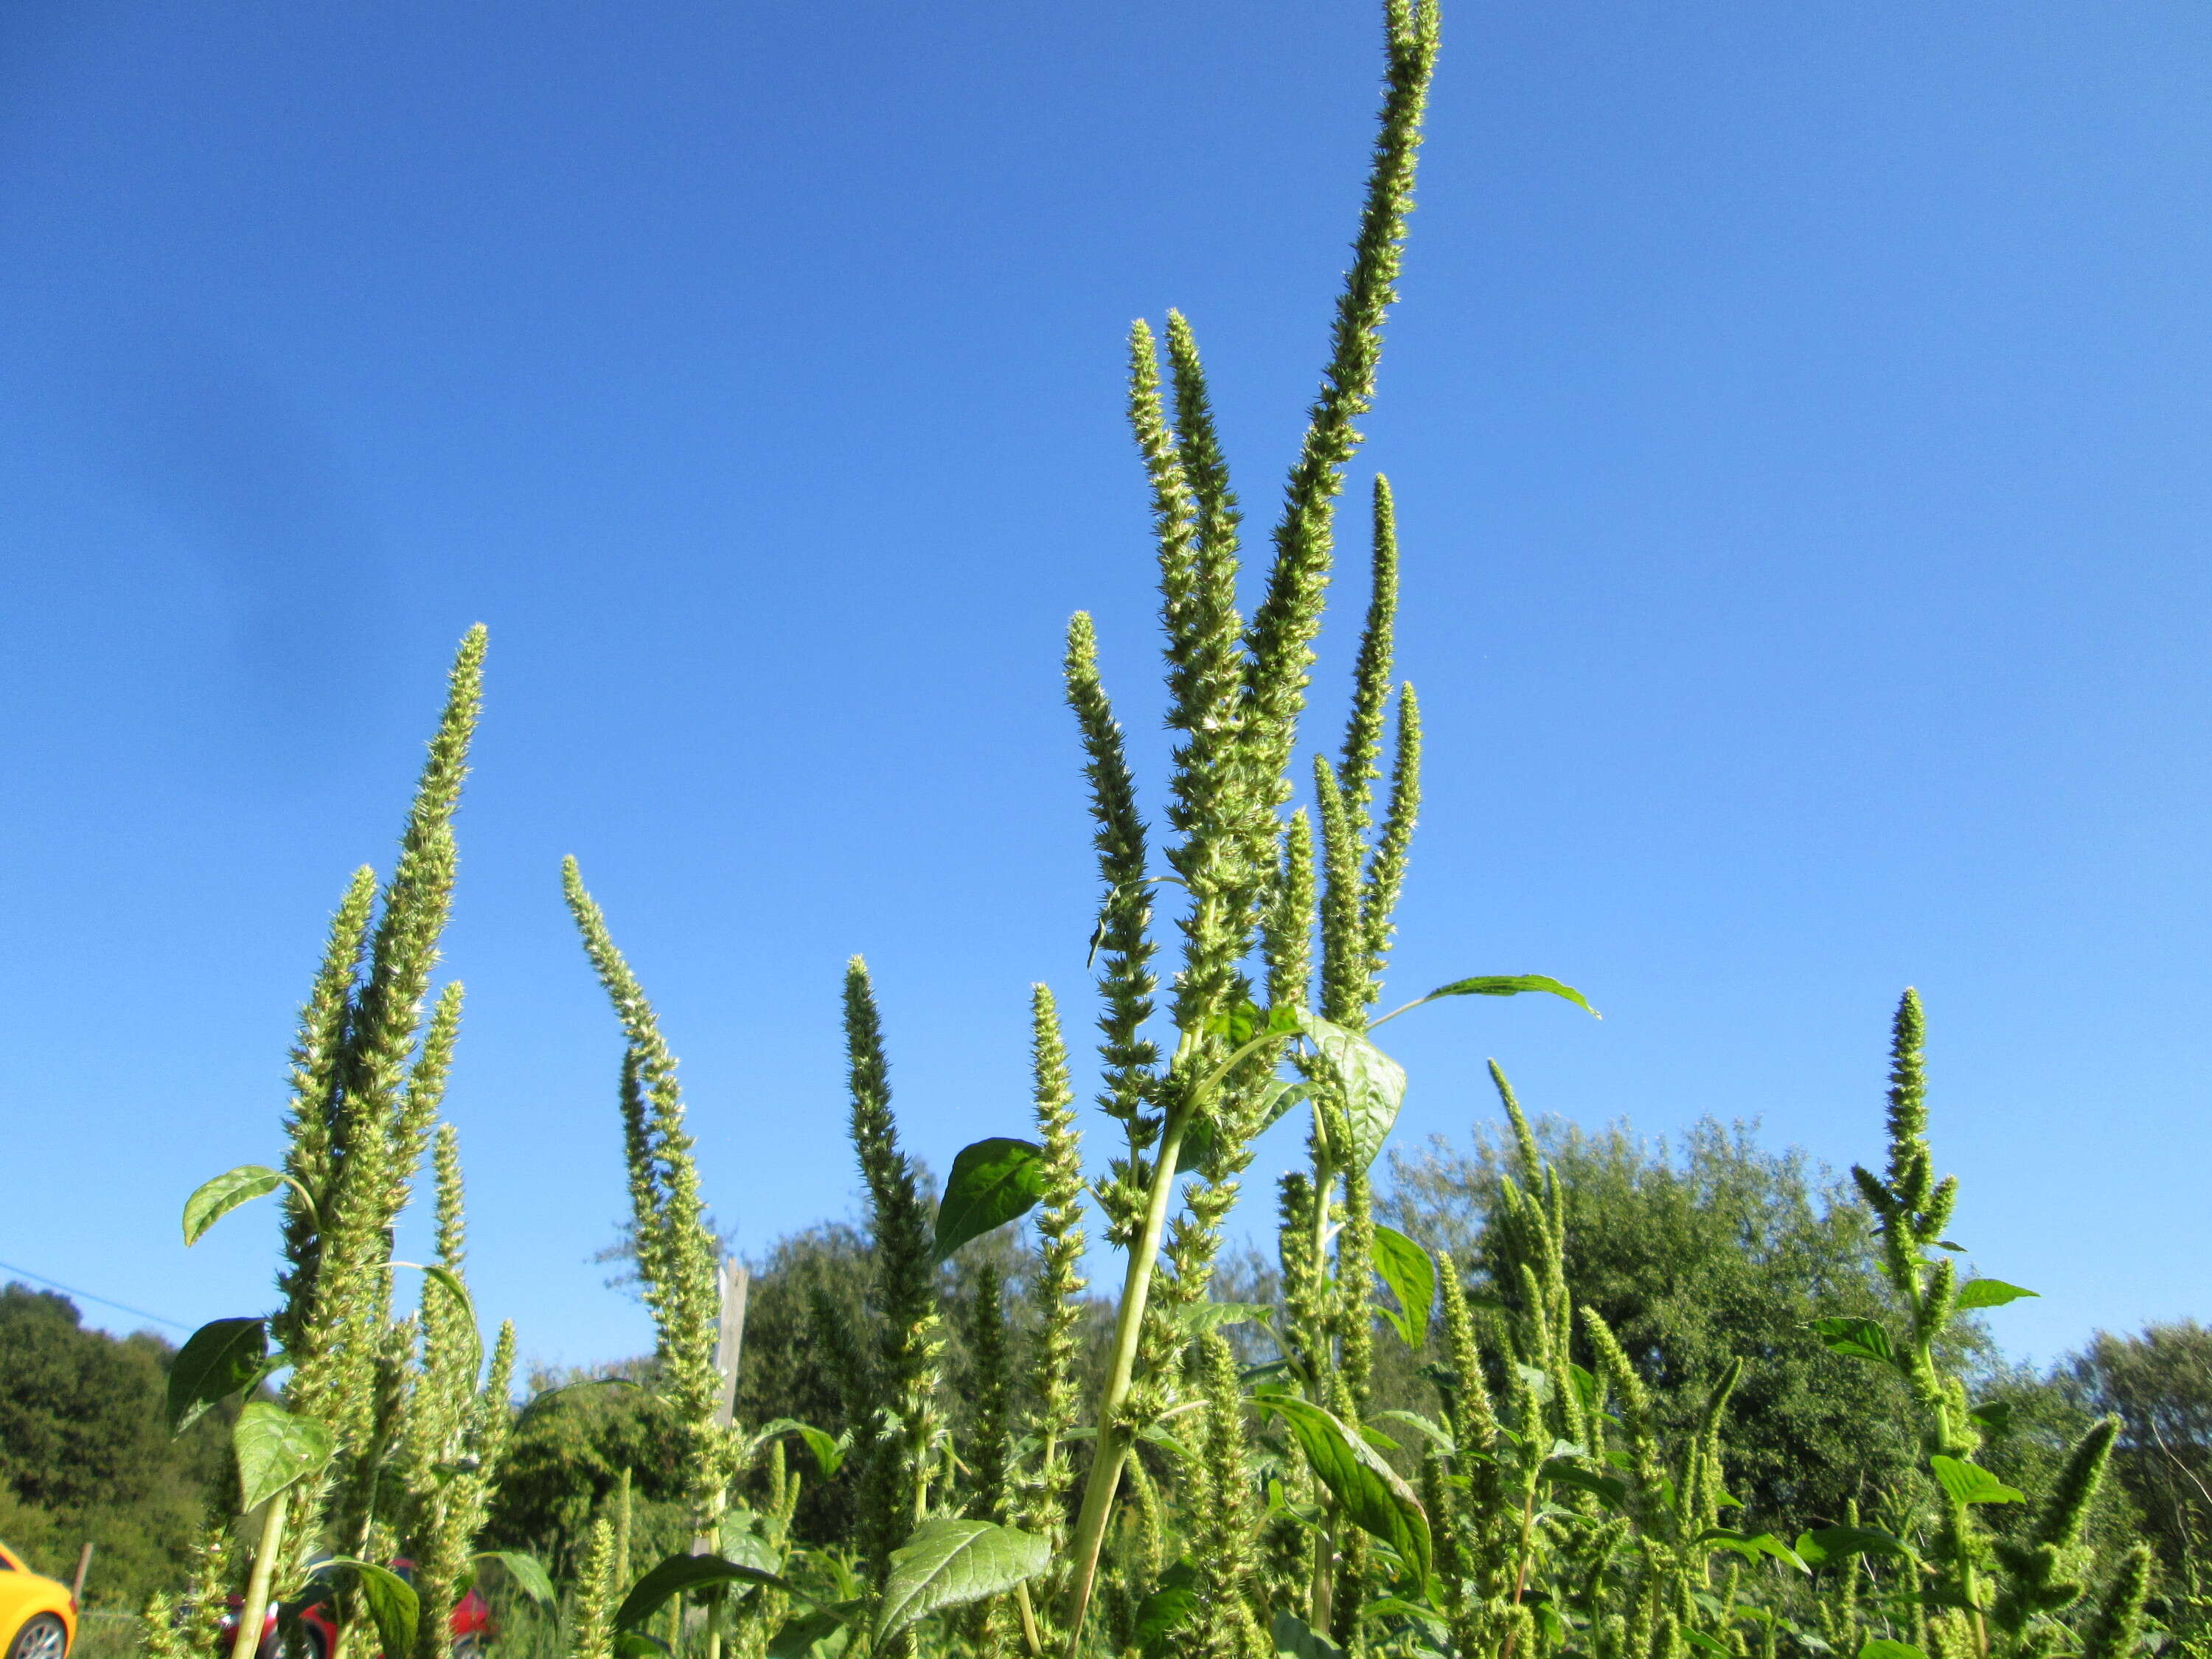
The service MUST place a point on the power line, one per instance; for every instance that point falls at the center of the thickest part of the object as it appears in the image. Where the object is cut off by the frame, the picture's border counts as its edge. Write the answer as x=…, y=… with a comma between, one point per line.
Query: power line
x=104, y=1301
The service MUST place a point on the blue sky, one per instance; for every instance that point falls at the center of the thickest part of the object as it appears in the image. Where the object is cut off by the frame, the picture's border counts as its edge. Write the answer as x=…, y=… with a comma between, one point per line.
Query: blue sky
x=1799, y=423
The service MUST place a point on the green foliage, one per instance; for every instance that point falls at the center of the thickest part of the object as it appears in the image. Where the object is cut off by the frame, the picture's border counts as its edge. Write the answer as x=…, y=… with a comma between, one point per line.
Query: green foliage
x=85, y=1453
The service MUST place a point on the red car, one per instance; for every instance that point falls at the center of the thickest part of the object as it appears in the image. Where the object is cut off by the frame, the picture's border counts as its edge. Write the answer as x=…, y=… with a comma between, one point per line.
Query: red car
x=473, y=1627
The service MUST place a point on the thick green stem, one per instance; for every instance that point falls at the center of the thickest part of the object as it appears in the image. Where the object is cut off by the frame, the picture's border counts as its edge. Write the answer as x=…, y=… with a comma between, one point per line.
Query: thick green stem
x=256, y=1586
x=1112, y=1442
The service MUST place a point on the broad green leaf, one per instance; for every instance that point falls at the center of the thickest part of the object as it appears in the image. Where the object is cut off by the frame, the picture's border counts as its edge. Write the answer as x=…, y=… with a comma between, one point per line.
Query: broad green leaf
x=1372, y=1493
x=214, y=1199
x=217, y=1361
x=1396, y=1606
x=636, y=1644
x=1841, y=1543
x=1510, y=985
x=1752, y=1546
x=1881, y=1647
x=532, y=1579
x=828, y=1626
x=1610, y=1489
x=391, y=1602
x=1295, y=1639
x=1697, y=1639
x=828, y=1451
x=1371, y=1084
x=1970, y=1483
x=1164, y=1611
x=1412, y=1276
x=1988, y=1293
x=950, y=1563
x=276, y=1449
x=682, y=1574
x=992, y=1182
x=1860, y=1339
x=1434, y=1431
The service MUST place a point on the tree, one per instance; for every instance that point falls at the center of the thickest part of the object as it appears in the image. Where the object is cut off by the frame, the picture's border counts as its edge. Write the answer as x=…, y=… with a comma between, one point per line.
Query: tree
x=1724, y=1250
x=2160, y=1383
x=84, y=1454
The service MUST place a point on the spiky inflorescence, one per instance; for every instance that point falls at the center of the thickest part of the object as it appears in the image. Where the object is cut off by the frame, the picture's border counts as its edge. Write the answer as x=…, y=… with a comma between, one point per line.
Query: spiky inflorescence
x=905, y=1422
x=2040, y=1568
x=1224, y=1625
x=1123, y=939
x=1281, y=637
x=2113, y=1633
x=593, y=1636
x=678, y=1258
x=1059, y=1287
x=990, y=1439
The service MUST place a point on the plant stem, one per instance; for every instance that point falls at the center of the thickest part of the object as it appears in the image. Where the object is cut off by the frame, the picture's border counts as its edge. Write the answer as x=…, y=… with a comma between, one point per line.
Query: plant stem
x=1112, y=1443
x=256, y=1607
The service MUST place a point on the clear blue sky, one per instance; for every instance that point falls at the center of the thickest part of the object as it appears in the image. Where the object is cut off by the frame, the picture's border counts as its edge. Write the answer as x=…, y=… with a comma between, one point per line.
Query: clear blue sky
x=1799, y=416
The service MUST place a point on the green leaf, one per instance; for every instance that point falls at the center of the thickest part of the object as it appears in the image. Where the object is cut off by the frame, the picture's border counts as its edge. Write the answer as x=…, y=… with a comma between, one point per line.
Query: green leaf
x=1697, y=1639
x=1841, y=1543
x=1160, y=1614
x=1970, y=1483
x=532, y=1579
x=1988, y=1293
x=1412, y=1276
x=1294, y=1638
x=992, y=1182
x=1752, y=1546
x=276, y=1449
x=1396, y=1606
x=797, y=1639
x=636, y=1644
x=217, y=1361
x=1881, y=1647
x=1275, y=1101
x=1371, y=1084
x=1609, y=1488
x=1372, y=1493
x=214, y=1199
x=828, y=1451
x=949, y=1562
x=682, y=1574
x=1510, y=985
x=1435, y=1433
x=1859, y=1339
x=390, y=1599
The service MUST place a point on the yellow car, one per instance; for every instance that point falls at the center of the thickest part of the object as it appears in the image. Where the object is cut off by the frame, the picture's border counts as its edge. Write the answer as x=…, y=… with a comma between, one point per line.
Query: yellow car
x=38, y=1614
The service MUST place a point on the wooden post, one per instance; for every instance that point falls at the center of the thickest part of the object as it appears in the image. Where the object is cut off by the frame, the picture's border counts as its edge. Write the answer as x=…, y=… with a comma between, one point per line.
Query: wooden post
x=735, y=1283
x=83, y=1566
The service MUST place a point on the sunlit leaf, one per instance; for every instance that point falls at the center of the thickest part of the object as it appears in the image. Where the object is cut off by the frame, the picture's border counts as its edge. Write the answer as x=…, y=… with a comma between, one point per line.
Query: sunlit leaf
x=217, y=1361
x=1371, y=1494
x=529, y=1577
x=1859, y=1339
x=949, y=1562
x=214, y=1199
x=1412, y=1276
x=682, y=1574
x=1988, y=1293
x=1371, y=1085
x=1509, y=985
x=390, y=1599
x=1841, y=1543
x=993, y=1182
x=277, y=1449
x=1970, y=1483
